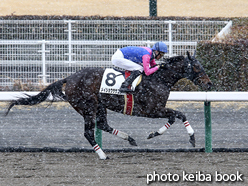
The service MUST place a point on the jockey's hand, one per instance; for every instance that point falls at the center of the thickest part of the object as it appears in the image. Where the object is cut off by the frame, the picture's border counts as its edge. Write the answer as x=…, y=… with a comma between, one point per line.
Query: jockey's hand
x=163, y=65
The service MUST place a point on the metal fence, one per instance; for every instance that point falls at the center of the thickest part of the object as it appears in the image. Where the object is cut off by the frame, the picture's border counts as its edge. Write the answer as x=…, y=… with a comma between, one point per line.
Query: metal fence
x=43, y=51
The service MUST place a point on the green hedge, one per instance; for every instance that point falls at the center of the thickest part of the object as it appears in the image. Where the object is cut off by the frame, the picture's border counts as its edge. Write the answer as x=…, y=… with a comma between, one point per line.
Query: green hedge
x=226, y=64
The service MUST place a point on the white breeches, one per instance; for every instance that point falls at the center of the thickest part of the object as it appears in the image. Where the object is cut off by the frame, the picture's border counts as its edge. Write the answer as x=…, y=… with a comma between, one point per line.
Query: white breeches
x=119, y=61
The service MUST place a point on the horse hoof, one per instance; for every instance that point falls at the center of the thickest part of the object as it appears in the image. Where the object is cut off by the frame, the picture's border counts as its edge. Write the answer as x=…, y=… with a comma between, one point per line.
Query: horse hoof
x=152, y=135
x=132, y=141
x=192, y=140
x=107, y=158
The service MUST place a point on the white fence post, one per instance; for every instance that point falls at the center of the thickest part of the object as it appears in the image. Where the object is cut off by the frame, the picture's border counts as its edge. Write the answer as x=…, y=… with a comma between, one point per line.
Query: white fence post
x=170, y=37
x=43, y=51
x=148, y=43
x=69, y=41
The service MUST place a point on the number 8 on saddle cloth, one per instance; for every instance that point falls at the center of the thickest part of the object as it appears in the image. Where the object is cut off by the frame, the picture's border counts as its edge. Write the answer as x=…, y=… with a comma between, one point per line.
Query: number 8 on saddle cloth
x=112, y=80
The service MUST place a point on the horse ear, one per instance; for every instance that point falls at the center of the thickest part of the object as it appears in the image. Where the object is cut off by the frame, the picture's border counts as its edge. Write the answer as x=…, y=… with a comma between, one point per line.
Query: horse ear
x=188, y=55
x=194, y=53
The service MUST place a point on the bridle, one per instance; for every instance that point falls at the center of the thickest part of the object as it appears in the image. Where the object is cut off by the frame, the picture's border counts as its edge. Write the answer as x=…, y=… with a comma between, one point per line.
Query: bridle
x=190, y=68
x=189, y=73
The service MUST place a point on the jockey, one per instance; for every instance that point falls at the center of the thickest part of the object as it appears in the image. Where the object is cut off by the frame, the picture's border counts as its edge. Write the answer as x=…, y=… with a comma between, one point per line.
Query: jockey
x=138, y=59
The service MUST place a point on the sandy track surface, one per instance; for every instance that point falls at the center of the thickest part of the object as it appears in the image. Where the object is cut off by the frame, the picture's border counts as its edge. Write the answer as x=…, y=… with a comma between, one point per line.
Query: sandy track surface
x=60, y=126
x=121, y=170
x=189, y=8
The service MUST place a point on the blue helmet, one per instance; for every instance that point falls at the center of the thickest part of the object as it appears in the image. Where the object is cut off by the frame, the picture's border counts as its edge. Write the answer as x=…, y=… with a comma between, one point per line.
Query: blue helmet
x=160, y=46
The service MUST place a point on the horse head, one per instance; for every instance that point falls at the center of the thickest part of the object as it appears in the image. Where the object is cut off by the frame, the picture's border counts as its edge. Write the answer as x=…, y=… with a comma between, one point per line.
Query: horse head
x=194, y=71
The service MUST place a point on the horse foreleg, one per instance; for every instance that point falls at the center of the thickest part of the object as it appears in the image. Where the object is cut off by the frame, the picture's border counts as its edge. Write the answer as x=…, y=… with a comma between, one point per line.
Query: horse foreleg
x=172, y=115
x=188, y=127
x=160, y=131
x=163, y=113
x=190, y=132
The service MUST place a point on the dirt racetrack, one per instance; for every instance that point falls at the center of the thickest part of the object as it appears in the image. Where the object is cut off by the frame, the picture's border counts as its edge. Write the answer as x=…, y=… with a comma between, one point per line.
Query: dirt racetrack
x=132, y=169
x=182, y=8
x=42, y=126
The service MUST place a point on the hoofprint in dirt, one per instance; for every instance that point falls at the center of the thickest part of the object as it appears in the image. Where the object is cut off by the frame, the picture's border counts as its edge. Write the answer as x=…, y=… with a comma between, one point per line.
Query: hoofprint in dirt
x=124, y=169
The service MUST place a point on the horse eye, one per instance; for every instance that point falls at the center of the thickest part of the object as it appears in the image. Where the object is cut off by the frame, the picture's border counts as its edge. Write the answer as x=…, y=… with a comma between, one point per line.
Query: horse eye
x=197, y=66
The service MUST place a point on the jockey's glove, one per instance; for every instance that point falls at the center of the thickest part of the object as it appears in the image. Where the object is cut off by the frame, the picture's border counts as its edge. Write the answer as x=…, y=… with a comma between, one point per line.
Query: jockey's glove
x=163, y=65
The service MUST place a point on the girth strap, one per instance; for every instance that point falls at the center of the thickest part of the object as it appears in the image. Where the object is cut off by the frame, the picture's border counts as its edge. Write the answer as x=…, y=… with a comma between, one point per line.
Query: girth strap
x=129, y=101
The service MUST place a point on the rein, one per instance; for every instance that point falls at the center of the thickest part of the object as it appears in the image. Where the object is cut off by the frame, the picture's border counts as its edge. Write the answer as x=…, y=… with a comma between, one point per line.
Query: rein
x=188, y=68
x=188, y=65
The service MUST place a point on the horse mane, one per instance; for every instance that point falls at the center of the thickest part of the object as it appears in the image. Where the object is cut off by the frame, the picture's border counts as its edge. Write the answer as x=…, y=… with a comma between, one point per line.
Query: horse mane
x=173, y=59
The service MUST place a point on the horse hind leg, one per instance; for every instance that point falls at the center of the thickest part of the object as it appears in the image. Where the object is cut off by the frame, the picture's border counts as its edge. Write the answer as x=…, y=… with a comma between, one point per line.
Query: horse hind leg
x=118, y=133
x=89, y=135
x=88, y=110
x=103, y=125
x=124, y=136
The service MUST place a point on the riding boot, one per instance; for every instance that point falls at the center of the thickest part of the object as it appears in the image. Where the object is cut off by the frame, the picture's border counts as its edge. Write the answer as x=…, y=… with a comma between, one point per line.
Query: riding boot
x=129, y=81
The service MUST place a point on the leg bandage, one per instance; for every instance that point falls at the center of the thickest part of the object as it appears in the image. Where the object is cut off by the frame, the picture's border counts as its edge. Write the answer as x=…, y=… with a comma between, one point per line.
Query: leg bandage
x=120, y=134
x=100, y=153
x=164, y=128
x=189, y=128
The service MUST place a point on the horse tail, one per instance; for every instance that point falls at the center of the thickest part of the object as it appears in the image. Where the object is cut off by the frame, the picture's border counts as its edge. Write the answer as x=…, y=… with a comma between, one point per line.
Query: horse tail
x=55, y=89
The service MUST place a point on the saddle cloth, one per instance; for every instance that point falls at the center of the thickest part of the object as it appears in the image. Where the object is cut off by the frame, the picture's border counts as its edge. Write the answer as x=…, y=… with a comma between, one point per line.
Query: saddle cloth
x=112, y=80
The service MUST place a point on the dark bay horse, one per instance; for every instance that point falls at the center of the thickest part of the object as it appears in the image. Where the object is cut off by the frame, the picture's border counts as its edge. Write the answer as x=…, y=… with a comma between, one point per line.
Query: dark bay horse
x=150, y=97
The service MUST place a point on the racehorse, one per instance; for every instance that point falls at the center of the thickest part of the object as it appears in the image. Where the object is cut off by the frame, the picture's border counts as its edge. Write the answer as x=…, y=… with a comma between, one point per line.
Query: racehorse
x=150, y=97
